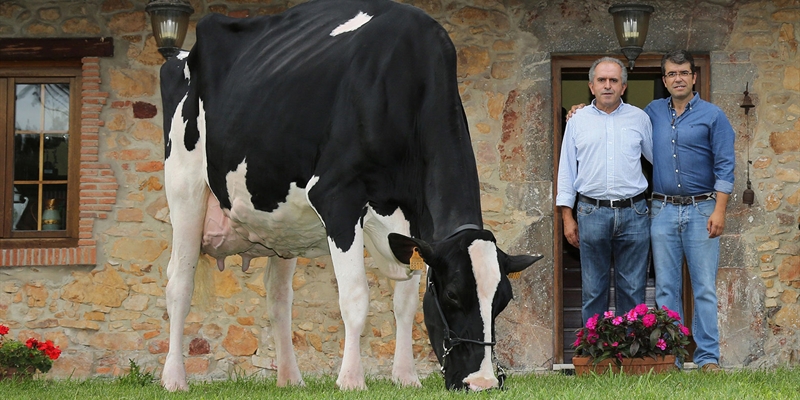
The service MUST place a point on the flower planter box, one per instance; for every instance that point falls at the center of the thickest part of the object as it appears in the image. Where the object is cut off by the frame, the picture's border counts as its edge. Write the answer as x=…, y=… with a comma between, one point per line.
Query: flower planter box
x=632, y=366
x=12, y=373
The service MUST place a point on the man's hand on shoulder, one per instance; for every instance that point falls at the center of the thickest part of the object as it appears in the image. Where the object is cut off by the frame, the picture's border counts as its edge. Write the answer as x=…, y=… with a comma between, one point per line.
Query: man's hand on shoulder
x=574, y=108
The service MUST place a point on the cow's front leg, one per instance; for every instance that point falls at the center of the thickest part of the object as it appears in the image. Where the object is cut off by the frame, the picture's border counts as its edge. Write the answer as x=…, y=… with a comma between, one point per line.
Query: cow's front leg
x=278, y=282
x=353, y=303
x=406, y=301
x=187, y=230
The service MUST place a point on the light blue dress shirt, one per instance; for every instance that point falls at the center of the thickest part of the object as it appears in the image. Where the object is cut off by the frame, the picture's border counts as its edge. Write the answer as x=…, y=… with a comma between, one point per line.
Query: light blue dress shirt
x=601, y=154
x=694, y=152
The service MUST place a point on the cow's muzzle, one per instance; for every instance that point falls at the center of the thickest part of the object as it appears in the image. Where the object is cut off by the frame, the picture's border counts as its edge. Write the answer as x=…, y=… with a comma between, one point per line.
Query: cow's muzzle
x=451, y=340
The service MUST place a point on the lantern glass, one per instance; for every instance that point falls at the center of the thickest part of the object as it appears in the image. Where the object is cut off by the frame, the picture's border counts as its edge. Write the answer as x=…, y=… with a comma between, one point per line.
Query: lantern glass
x=631, y=25
x=170, y=19
x=631, y=22
x=169, y=27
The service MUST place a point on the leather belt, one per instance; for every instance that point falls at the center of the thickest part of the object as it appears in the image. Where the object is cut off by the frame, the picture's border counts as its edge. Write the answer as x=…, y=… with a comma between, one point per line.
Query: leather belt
x=621, y=203
x=683, y=200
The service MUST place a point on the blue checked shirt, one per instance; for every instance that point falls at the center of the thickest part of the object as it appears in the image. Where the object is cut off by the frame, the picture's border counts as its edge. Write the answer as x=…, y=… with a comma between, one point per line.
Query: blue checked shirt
x=601, y=154
x=693, y=152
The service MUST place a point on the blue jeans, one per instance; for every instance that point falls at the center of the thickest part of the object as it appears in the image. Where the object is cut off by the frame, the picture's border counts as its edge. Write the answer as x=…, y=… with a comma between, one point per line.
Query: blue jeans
x=678, y=230
x=613, y=235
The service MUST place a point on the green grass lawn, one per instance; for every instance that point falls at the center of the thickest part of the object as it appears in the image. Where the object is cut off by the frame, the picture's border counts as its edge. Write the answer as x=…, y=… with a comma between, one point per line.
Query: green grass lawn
x=775, y=384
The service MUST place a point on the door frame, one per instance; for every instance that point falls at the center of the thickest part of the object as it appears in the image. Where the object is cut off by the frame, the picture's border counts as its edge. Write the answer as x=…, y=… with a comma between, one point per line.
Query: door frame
x=559, y=62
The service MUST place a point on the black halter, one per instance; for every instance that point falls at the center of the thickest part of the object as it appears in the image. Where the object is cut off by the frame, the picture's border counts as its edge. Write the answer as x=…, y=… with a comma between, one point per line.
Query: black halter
x=449, y=342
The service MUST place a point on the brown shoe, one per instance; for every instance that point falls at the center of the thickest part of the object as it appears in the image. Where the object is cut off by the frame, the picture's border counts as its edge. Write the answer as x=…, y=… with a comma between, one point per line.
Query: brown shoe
x=711, y=367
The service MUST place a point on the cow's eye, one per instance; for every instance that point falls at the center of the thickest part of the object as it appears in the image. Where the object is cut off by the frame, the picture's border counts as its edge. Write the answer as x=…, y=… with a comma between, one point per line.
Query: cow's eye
x=451, y=296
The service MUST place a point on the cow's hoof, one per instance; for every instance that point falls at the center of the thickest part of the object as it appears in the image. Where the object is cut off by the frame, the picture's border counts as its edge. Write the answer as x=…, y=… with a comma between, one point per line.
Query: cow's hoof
x=351, y=384
x=174, y=386
x=291, y=382
x=174, y=376
x=410, y=381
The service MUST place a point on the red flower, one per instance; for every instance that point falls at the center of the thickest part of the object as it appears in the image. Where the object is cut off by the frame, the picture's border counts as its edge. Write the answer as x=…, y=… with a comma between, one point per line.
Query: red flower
x=31, y=343
x=3, y=330
x=50, y=349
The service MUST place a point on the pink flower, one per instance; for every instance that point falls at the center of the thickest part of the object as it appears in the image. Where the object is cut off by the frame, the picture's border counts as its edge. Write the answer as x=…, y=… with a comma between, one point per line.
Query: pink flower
x=591, y=323
x=619, y=356
x=592, y=338
x=608, y=314
x=671, y=314
x=632, y=315
x=684, y=330
x=618, y=321
x=649, y=320
x=641, y=309
x=577, y=343
x=662, y=344
x=3, y=330
x=615, y=344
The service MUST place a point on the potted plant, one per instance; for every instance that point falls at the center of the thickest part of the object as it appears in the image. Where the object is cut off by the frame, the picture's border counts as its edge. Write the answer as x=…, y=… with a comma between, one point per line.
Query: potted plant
x=638, y=341
x=22, y=360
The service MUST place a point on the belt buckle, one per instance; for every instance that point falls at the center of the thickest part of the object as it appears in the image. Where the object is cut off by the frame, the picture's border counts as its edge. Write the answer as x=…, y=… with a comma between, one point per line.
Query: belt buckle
x=612, y=203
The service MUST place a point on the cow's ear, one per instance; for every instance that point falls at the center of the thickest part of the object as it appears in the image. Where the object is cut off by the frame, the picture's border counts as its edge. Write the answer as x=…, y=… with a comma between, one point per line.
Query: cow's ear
x=403, y=248
x=516, y=264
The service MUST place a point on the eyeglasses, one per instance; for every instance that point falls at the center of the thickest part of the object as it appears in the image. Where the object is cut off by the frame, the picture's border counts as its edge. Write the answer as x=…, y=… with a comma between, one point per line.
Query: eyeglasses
x=683, y=74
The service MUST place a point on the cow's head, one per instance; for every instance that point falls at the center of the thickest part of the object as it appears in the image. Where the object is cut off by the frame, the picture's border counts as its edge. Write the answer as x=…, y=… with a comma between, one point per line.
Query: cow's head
x=467, y=289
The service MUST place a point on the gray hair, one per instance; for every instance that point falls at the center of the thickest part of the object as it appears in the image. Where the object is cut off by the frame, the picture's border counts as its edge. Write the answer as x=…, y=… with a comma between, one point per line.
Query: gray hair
x=612, y=60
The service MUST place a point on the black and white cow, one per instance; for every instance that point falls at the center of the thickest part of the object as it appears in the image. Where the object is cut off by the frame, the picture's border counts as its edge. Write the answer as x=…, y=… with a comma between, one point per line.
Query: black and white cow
x=333, y=126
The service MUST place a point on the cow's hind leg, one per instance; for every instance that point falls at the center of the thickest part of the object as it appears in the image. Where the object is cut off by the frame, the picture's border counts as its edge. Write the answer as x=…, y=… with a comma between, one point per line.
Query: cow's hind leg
x=278, y=282
x=406, y=301
x=187, y=201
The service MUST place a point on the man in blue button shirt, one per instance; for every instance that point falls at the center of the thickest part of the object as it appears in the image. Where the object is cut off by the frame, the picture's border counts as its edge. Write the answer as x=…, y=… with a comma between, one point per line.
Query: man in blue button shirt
x=692, y=180
x=600, y=166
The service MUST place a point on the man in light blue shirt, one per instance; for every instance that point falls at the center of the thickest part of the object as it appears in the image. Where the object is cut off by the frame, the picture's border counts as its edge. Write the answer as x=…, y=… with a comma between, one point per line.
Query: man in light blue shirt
x=600, y=166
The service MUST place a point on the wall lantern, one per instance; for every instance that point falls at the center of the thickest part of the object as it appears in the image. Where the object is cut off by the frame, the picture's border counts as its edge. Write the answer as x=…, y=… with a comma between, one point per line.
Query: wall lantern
x=747, y=103
x=630, y=24
x=170, y=20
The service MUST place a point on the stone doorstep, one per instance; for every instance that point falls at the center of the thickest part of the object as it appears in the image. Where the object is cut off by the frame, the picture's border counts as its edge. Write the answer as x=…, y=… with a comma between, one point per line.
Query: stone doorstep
x=570, y=369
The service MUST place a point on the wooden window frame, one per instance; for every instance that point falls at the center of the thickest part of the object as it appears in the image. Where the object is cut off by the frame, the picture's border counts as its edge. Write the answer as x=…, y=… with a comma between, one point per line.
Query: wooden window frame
x=78, y=59
x=40, y=72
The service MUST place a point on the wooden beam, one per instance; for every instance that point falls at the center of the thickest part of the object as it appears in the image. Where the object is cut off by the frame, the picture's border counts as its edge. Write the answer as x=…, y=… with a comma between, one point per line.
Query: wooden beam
x=14, y=49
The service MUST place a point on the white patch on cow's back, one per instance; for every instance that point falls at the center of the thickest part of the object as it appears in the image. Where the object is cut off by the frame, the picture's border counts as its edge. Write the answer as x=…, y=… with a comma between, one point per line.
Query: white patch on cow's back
x=486, y=268
x=354, y=23
x=292, y=229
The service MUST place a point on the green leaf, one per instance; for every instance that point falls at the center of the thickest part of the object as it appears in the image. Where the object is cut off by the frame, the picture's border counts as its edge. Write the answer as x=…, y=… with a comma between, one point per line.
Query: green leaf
x=654, y=337
x=634, y=348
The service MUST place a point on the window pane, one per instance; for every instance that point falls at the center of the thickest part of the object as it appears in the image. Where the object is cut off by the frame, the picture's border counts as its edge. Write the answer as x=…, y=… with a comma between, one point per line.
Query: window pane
x=26, y=157
x=55, y=157
x=26, y=208
x=28, y=108
x=56, y=107
x=54, y=201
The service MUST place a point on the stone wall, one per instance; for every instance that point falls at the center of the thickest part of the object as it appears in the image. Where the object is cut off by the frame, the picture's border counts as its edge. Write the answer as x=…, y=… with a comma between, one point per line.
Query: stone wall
x=107, y=312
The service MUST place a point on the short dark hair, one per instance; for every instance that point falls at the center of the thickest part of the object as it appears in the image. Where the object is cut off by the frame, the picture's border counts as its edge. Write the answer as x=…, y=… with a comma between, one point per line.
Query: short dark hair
x=677, y=57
